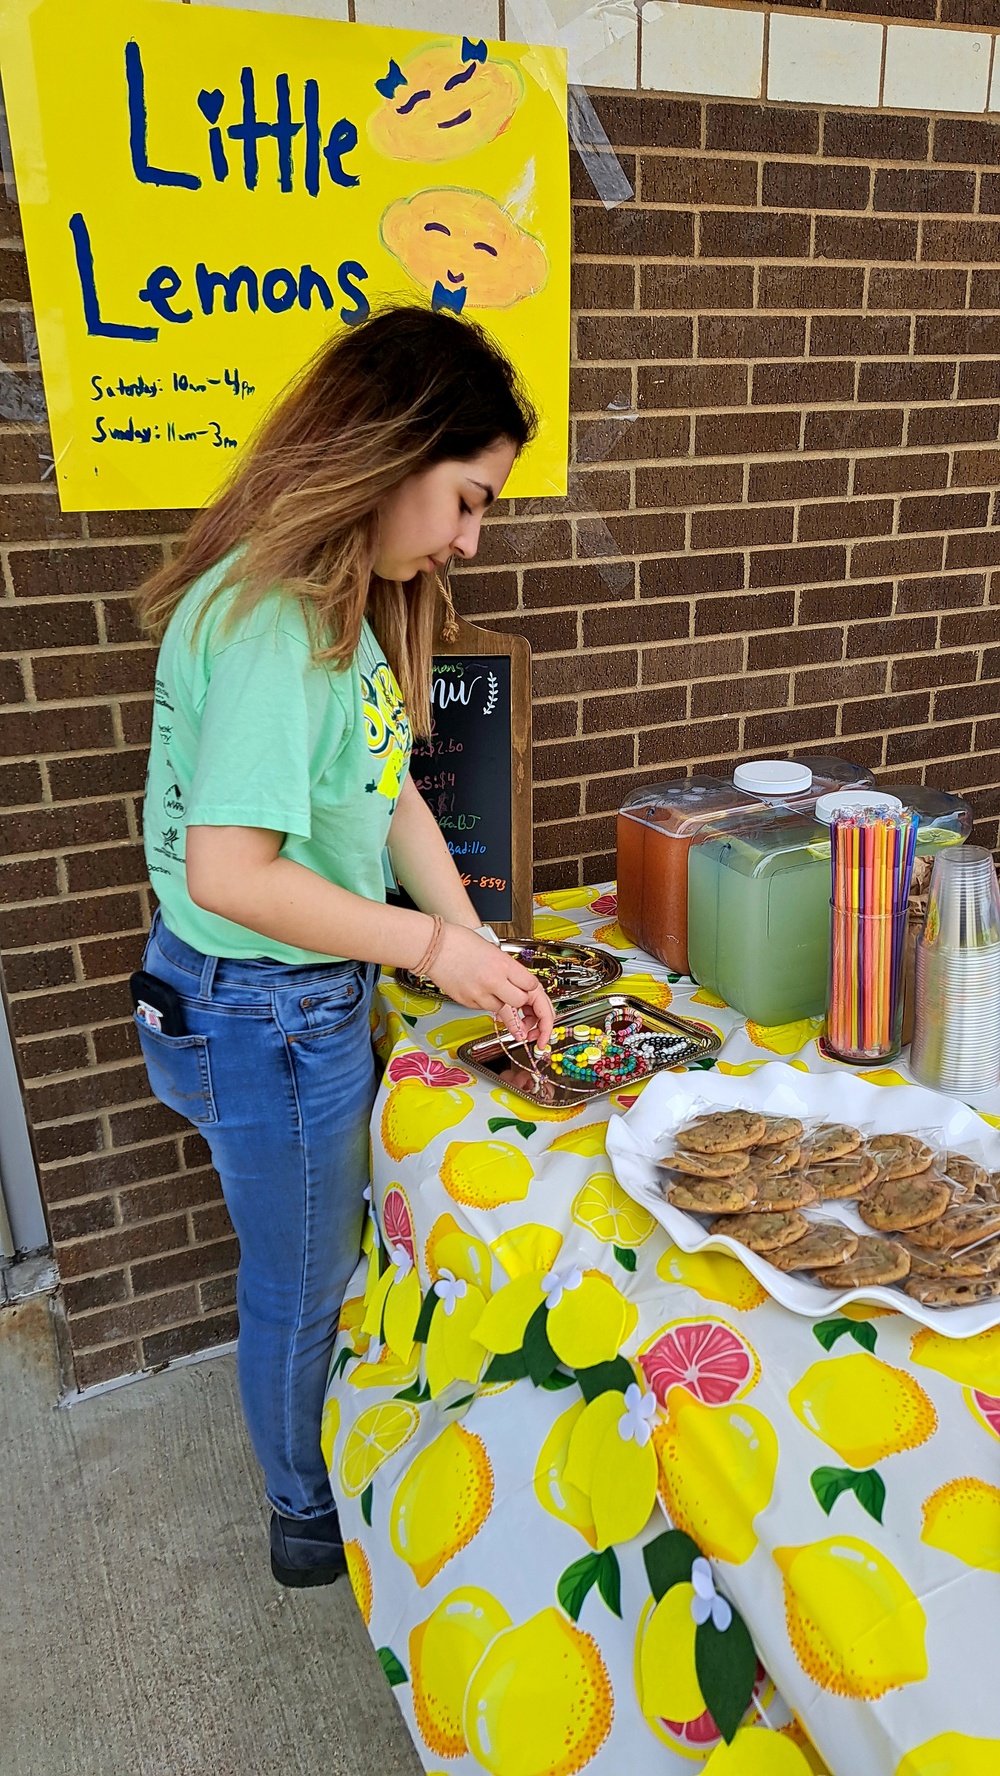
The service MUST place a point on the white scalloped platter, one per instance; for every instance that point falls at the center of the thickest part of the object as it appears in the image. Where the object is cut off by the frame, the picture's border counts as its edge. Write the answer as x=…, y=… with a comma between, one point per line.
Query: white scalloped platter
x=638, y=1140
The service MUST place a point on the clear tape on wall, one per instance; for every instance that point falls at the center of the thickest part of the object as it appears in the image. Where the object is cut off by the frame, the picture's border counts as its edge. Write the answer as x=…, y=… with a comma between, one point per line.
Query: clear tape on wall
x=595, y=443
x=583, y=36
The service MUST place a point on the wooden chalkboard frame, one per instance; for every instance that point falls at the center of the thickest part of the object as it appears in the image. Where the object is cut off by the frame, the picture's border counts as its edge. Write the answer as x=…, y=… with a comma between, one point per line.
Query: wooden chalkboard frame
x=471, y=639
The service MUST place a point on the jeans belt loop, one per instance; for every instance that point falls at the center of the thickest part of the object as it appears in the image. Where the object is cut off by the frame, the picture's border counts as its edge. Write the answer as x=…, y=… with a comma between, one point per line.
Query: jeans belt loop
x=207, y=981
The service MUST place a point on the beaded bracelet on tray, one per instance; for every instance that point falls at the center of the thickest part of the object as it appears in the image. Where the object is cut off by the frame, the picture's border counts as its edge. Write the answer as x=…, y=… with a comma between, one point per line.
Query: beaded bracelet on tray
x=606, y=1056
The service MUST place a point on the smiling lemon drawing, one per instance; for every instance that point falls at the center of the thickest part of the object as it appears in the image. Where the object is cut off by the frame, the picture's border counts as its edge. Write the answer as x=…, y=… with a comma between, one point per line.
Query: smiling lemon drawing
x=854, y=1624
x=464, y=249
x=444, y=102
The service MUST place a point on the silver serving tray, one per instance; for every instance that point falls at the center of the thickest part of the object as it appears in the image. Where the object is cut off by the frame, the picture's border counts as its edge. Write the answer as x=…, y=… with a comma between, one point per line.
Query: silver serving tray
x=600, y=962
x=508, y=1068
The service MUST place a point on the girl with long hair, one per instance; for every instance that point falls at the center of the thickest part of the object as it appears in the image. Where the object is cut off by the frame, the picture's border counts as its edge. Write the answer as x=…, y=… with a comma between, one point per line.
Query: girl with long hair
x=296, y=625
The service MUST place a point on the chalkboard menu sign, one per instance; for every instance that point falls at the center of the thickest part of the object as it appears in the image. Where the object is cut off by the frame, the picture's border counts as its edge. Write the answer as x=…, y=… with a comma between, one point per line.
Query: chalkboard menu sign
x=463, y=771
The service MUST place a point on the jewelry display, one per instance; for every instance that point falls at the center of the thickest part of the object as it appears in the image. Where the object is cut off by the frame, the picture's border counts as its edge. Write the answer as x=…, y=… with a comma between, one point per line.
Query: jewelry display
x=602, y=1055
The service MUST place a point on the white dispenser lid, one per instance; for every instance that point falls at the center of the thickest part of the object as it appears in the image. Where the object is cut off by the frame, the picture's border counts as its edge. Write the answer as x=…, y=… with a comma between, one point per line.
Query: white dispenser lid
x=852, y=801
x=773, y=777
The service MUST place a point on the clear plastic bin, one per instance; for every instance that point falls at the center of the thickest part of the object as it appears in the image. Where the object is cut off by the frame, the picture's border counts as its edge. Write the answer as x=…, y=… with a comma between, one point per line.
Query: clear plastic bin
x=658, y=825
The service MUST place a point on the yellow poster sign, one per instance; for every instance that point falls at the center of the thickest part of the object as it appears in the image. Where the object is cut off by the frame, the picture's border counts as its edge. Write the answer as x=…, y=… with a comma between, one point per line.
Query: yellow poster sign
x=207, y=194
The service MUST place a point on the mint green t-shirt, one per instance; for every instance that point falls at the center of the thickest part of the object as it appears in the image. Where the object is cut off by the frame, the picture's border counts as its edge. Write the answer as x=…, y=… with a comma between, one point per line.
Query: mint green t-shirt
x=249, y=731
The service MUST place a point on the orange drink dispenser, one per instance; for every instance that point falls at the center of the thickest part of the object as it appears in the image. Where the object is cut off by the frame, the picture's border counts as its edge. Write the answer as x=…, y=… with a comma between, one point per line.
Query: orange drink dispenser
x=658, y=825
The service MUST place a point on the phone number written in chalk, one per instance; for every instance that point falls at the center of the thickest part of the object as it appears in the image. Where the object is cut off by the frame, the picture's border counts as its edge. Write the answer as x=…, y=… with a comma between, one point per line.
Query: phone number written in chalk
x=484, y=882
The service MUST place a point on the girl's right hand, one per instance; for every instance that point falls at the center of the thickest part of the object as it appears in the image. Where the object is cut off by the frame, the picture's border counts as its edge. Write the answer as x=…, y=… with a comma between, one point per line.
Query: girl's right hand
x=478, y=974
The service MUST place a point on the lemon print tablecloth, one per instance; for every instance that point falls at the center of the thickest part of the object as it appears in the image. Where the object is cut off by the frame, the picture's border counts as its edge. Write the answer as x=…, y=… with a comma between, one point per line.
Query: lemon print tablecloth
x=600, y=1497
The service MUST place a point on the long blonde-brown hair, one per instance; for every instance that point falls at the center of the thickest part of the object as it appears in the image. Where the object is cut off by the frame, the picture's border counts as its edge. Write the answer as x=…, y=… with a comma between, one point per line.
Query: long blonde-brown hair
x=383, y=400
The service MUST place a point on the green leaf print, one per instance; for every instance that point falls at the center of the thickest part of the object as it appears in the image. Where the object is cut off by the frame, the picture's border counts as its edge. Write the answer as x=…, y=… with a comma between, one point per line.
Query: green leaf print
x=863, y=1333
x=609, y=1580
x=367, y=1498
x=428, y=1308
x=539, y=1357
x=496, y=1123
x=601, y=1378
x=341, y=1361
x=668, y=1561
x=416, y=1391
x=576, y=1582
x=705, y=1065
x=394, y=1671
x=625, y=1257
x=558, y=1379
x=868, y=1488
x=726, y=1666
x=828, y=1331
x=506, y=1366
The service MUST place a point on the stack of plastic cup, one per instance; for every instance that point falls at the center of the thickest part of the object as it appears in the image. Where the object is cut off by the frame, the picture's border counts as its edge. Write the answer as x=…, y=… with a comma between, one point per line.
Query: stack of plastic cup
x=956, y=1034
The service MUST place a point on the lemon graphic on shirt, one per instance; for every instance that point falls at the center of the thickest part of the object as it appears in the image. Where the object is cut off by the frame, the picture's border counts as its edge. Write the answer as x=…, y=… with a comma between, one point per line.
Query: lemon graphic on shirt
x=539, y=1703
x=716, y=1276
x=485, y=1174
x=554, y=1492
x=441, y=1502
x=377, y=1432
x=444, y=1652
x=952, y=1754
x=414, y=1113
x=666, y=1681
x=963, y=1518
x=588, y=1141
x=604, y=1208
x=717, y=1468
x=975, y=1361
x=360, y=1574
x=855, y=1626
x=864, y=1409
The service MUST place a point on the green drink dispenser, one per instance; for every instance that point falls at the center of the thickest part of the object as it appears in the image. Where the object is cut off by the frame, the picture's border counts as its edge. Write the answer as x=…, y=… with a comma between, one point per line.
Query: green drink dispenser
x=759, y=900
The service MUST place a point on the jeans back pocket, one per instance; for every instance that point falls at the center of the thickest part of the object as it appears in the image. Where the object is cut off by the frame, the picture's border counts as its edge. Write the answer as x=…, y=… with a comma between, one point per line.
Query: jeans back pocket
x=180, y=1072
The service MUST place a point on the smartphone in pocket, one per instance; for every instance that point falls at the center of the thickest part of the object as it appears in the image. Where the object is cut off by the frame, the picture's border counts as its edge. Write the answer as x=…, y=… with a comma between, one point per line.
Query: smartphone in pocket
x=156, y=1005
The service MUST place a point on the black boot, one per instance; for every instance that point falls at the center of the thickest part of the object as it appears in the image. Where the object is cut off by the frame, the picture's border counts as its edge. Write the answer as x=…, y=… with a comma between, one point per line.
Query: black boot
x=307, y=1550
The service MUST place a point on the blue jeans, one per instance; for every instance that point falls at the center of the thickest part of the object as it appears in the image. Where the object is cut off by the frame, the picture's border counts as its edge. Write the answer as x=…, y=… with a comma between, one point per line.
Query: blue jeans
x=276, y=1070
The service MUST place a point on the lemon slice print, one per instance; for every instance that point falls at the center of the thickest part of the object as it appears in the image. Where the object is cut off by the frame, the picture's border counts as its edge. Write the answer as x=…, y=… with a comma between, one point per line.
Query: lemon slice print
x=604, y=1208
x=377, y=1432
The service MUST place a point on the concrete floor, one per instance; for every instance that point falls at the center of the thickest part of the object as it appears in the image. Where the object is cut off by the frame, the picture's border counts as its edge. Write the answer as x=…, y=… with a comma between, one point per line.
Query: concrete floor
x=141, y=1633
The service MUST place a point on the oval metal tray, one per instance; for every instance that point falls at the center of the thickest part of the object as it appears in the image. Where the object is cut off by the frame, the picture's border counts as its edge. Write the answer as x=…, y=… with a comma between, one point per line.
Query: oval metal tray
x=594, y=968
x=508, y=1067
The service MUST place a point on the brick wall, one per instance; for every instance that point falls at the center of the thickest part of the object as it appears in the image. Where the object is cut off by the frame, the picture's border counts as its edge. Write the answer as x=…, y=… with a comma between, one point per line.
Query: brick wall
x=780, y=536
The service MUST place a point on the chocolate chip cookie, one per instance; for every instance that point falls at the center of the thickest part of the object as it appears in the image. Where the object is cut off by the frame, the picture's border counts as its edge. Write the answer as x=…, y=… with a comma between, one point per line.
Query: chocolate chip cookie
x=709, y=1165
x=901, y=1156
x=973, y=1261
x=965, y=1172
x=722, y=1131
x=824, y=1242
x=762, y=1233
x=780, y=1131
x=962, y=1225
x=775, y=1160
x=831, y=1140
x=842, y=1178
x=873, y=1261
x=712, y=1196
x=790, y=1190
x=897, y=1204
x=954, y=1293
